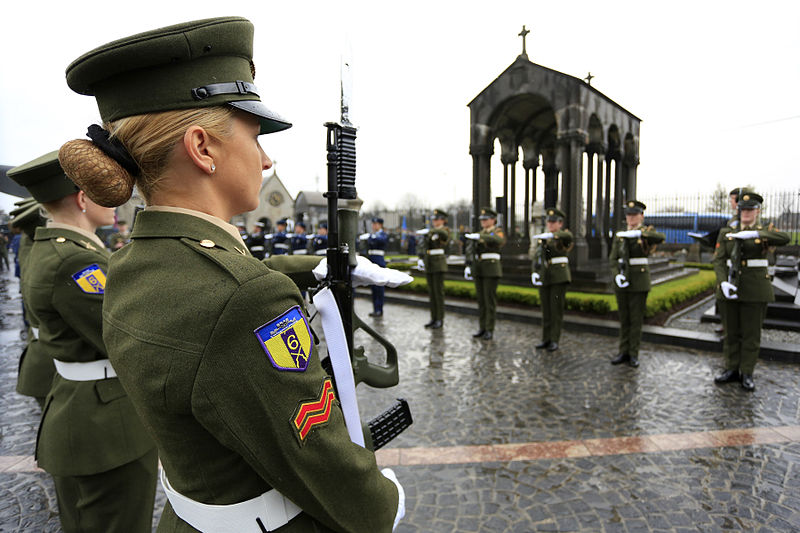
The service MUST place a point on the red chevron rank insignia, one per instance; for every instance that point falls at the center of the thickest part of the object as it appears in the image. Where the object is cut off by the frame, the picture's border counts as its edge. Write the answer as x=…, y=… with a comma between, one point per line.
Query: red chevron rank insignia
x=313, y=413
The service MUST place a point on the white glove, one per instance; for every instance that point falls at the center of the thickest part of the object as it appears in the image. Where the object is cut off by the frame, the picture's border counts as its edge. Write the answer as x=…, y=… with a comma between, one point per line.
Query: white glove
x=621, y=281
x=744, y=235
x=729, y=290
x=268, y=236
x=468, y=273
x=364, y=236
x=367, y=273
x=422, y=231
x=633, y=234
x=389, y=474
x=420, y=265
x=543, y=236
x=473, y=236
x=536, y=280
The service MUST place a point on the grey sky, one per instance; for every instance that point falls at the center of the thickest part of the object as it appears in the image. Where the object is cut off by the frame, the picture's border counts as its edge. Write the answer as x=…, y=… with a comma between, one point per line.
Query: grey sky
x=714, y=82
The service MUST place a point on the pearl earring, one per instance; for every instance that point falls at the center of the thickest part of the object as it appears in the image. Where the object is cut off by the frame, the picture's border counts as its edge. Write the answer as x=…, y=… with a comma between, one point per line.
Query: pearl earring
x=213, y=167
x=83, y=210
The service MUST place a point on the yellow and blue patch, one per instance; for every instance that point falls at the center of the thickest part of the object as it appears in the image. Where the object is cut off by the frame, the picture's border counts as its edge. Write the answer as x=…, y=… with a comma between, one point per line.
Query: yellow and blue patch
x=91, y=280
x=287, y=340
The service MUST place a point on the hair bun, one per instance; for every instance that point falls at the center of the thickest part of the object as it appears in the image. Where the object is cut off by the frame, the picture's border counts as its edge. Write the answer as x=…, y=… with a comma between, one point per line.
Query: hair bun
x=99, y=176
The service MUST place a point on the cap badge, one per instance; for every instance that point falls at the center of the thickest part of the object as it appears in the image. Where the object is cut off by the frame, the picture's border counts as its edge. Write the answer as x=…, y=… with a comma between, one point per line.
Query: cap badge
x=746, y=197
x=550, y=212
x=631, y=204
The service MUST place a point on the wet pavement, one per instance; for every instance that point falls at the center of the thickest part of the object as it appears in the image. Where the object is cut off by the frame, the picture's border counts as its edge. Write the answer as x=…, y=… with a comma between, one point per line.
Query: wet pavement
x=510, y=439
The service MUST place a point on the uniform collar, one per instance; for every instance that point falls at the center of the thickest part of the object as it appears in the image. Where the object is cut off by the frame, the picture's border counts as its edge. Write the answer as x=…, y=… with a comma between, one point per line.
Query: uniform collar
x=85, y=238
x=173, y=222
x=230, y=228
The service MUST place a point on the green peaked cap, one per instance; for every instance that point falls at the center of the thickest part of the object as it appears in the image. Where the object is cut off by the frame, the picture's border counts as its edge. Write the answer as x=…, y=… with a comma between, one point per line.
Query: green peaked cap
x=29, y=217
x=44, y=178
x=203, y=63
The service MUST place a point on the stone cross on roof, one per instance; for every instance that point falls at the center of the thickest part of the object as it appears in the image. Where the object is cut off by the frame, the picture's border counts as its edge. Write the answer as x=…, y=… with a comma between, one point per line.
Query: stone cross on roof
x=524, y=33
x=589, y=78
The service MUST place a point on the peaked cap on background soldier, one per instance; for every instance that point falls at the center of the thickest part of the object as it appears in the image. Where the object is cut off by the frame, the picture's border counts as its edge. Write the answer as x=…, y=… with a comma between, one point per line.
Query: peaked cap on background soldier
x=202, y=63
x=634, y=207
x=487, y=213
x=44, y=178
x=30, y=215
x=440, y=213
x=553, y=214
x=750, y=200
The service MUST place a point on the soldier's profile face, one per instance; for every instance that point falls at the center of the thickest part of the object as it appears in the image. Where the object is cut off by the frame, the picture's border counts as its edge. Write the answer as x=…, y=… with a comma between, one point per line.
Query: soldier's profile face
x=376, y=226
x=487, y=223
x=554, y=225
x=322, y=231
x=634, y=220
x=732, y=201
x=748, y=216
x=438, y=222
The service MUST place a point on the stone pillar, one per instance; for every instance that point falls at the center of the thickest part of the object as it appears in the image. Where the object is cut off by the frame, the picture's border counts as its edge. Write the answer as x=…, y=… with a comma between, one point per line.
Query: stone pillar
x=481, y=181
x=607, y=204
x=530, y=193
x=631, y=177
x=526, y=213
x=589, y=192
x=619, y=201
x=599, y=211
x=571, y=151
x=512, y=217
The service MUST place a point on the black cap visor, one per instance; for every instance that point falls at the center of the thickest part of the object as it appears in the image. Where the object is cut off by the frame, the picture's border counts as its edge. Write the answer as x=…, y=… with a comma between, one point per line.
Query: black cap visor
x=271, y=122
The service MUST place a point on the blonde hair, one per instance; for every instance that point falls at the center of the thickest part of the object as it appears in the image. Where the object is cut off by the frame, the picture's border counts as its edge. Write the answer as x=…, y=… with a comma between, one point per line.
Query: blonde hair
x=150, y=140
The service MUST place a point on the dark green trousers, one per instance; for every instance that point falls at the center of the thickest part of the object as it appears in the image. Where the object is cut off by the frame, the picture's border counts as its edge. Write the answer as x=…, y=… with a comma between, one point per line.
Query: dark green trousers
x=117, y=501
x=743, y=322
x=436, y=294
x=486, y=291
x=632, y=306
x=553, y=299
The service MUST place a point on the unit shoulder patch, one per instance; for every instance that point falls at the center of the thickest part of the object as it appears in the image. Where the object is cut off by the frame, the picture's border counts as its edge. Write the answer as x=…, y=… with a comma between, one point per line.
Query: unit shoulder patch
x=91, y=280
x=314, y=412
x=287, y=340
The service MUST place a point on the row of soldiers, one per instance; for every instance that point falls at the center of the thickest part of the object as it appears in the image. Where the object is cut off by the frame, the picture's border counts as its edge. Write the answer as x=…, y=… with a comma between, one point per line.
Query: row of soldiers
x=283, y=242
x=740, y=262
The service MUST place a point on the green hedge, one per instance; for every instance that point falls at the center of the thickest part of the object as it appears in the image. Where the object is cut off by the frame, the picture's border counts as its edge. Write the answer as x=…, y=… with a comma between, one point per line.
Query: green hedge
x=662, y=297
x=700, y=266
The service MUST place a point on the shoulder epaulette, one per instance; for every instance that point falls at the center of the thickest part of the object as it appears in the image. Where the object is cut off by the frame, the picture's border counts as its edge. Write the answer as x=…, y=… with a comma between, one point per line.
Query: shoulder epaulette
x=238, y=266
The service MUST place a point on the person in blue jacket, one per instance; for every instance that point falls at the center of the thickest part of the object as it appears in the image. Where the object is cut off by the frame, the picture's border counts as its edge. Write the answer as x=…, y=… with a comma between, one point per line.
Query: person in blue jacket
x=376, y=250
x=319, y=244
x=299, y=241
x=280, y=240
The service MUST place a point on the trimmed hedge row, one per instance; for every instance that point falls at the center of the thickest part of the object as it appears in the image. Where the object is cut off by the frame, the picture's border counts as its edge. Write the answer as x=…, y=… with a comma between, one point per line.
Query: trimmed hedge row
x=662, y=297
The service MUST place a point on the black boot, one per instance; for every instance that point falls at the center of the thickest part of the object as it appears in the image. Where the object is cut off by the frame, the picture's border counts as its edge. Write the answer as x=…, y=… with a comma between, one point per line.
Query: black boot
x=430, y=324
x=621, y=358
x=727, y=377
x=480, y=333
x=543, y=344
x=436, y=324
x=747, y=382
x=633, y=361
x=488, y=336
x=552, y=346
x=376, y=313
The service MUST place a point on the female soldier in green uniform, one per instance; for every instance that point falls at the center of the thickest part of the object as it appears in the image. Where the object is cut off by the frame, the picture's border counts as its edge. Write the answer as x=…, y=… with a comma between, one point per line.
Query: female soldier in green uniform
x=486, y=268
x=740, y=262
x=551, y=274
x=433, y=261
x=213, y=345
x=90, y=440
x=631, y=271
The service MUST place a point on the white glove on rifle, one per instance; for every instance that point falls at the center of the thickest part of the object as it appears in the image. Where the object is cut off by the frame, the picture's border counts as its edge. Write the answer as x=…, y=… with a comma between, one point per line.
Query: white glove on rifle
x=468, y=273
x=389, y=474
x=631, y=234
x=621, y=281
x=729, y=290
x=473, y=236
x=543, y=236
x=420, y=265
x=536, y=280
x=367, y=273
x=422, y=231
x=363, y=236
x=751, y=234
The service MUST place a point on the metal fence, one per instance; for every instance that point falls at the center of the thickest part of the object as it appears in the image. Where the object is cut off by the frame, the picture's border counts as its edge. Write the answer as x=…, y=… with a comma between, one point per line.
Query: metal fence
x=677, y=215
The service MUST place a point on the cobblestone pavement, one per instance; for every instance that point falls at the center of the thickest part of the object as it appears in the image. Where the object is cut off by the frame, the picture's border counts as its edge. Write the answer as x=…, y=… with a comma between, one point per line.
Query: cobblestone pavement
x=510, y=439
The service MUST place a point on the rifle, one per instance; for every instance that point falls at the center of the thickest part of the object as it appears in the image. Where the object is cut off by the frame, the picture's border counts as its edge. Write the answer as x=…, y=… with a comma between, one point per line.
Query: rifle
x=736, y=254
x=341, y=257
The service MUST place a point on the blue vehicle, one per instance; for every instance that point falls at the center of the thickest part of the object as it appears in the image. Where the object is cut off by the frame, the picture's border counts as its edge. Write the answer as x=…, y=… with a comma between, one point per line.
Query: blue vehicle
x=677, y=226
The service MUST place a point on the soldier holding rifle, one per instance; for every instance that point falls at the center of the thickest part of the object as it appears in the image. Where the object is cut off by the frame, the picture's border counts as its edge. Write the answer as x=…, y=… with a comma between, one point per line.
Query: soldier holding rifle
x=485, y=267
x=433, y=261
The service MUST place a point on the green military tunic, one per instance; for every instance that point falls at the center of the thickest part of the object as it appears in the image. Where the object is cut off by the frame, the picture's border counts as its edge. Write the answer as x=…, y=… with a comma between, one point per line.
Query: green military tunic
x=743, y=317
x=90, y=439
x=551, y=263
x=197, y=331
x=433, y=253
x=629, y=256
x=487, y=269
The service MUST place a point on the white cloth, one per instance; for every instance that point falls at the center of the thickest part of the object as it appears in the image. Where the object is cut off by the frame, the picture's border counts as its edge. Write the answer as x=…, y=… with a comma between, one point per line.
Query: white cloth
x=753, y=263
x=436, y=251
x=363, y=236
x=367, y=273
x=422, y=231
x=621, y=281
x=638, y=261
x=89, y=371
x=490, y=255
x=631, y=234
x=561, y=259
x=729, y=290
x=420, y=265
x=536, y=279
x=750, y=234
x=544, y=236
x=473, y=236
x=401, y=496
x=467, y=273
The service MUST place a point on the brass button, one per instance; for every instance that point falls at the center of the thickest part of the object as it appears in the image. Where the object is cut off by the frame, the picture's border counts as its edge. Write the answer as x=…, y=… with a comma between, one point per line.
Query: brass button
x=758, y=241
x=61, y=239
x=207, y=243
x=744, y=262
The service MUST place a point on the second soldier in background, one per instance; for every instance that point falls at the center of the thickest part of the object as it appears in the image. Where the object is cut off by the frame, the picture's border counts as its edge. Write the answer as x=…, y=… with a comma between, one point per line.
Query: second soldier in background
x=433, y=261
x=376, y=250
x=485, y=267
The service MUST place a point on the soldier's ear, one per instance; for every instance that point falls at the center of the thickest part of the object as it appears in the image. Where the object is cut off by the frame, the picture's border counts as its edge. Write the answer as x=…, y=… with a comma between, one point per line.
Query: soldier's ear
x=198, y=146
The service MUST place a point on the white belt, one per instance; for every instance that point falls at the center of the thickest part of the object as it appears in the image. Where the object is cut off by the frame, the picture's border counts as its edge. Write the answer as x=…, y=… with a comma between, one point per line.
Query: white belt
x=557, y=260
x=271, y=509
x=35, y=332
x=281, y=245
x=256, y=248
x=90, y=371
x=301, y=251
x=436, y=251
x=376, y=252
x=490, y=256
x=638, y=261
x=753, y=263
x=321, y=252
